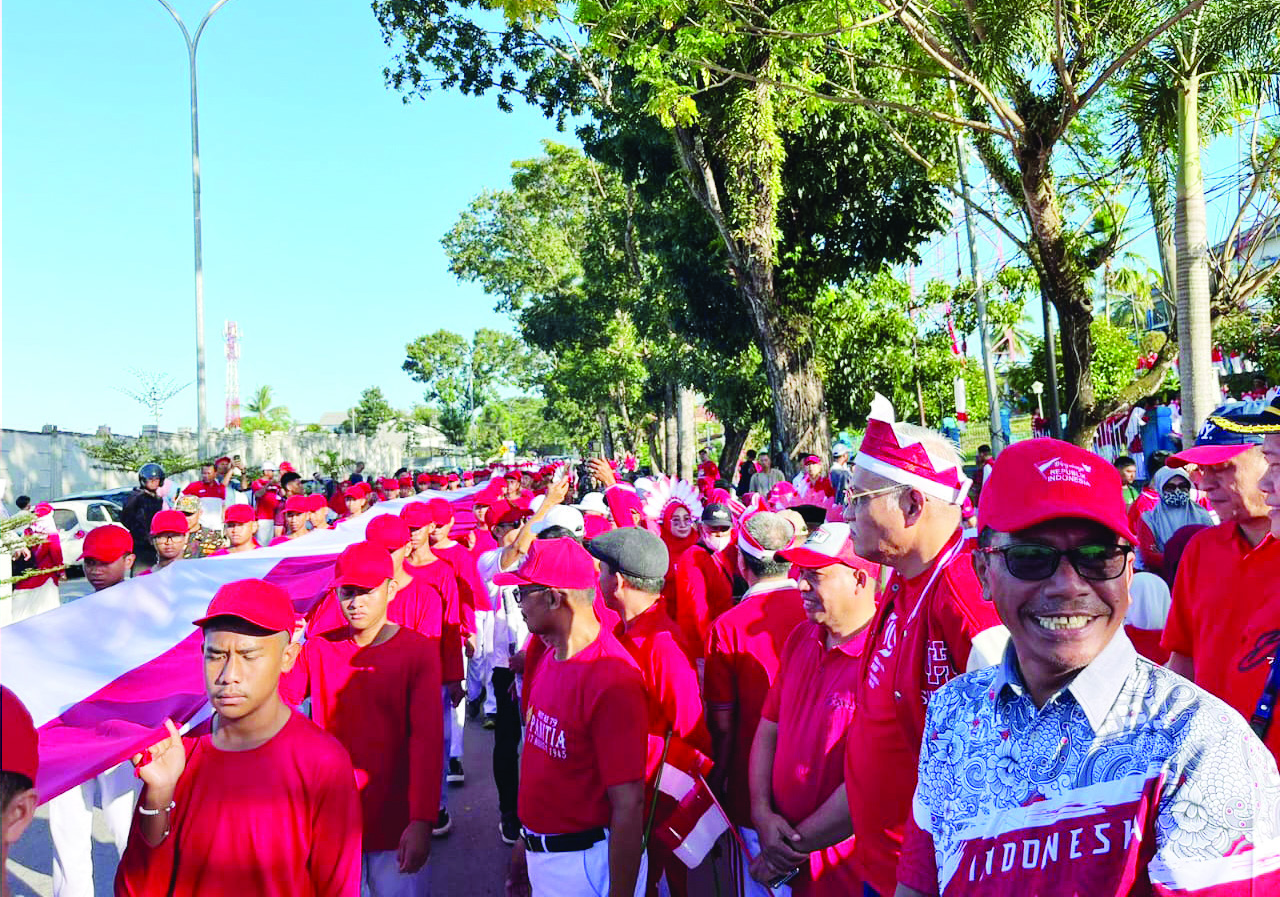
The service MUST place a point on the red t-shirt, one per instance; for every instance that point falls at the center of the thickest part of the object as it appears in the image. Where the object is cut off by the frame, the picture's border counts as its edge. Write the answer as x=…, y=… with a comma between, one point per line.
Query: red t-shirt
x=382, y=703
x=205, y=490
x=670, y=683
x=594, y=525
x=281, y=820
x=265, y=508
x=1225, y=616
x=812, y=701
x=481, y=541
x=584, y=733
x=441, y=575
x=252, y=547
x=744, y=648
x=917, y=642
x=471, y=588
x=704, y=590
x=422, y=608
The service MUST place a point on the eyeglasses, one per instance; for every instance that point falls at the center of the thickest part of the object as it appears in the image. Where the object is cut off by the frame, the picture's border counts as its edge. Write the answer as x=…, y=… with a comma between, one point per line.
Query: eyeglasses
x=859, y=500
x=1033, y=563
x=523, y=595
x=169, y=537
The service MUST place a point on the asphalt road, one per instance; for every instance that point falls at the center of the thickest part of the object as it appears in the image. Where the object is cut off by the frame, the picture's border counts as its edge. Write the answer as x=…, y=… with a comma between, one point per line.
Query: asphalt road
x=471, y=861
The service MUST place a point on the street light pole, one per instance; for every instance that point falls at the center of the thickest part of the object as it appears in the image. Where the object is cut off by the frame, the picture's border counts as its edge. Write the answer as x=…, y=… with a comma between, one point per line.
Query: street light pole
x=202, y=423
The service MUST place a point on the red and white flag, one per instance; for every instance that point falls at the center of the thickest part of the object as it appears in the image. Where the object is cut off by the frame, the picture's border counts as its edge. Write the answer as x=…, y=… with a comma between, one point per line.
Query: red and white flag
x=689, y=820
x=100, y=675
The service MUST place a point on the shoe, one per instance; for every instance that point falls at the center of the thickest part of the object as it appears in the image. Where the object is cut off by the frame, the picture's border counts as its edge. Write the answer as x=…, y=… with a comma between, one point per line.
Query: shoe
x=475, y=708
x=490, y=720
x=456, y=775
x=509, y=829
x=443, y=825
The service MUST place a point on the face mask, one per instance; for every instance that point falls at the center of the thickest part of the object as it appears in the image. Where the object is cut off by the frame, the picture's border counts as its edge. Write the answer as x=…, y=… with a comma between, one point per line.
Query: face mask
x=717, y=542
x=1176, y=498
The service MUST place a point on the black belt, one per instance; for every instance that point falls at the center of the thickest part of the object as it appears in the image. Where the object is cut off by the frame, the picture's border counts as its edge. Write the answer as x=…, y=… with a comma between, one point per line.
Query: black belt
x=562, y=843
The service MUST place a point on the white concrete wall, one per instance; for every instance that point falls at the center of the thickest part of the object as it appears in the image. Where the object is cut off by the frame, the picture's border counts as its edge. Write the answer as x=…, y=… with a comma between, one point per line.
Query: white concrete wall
x=49, y=465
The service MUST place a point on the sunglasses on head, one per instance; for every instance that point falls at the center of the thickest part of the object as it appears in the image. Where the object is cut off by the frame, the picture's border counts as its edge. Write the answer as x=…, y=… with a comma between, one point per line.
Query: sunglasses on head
x=1032, y=562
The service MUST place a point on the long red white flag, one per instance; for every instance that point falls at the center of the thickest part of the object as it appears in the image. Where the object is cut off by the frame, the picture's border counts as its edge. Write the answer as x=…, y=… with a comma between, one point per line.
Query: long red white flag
x=101, y=674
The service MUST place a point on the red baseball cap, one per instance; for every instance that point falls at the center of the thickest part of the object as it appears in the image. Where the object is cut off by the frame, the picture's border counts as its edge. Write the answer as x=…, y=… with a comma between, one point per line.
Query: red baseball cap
x=21, y=744
x=451, y=478
x=363, y=564
x=504, y=512
x=296, y=504
x=286, y=467
x=511, y=475
x=812, y=459
x=831, y=543
x=316, y=501
x=1217, y=441
x=353, y=491
x=237, y=514
x=405, y=480
x=441, y=511
x=424, y=479
x=387, y=531
x=107, y=544
x=555, y=563
x=1044, y=479
x=169, y=522
x=416, y=514
x=389, y=484
x=261, y=603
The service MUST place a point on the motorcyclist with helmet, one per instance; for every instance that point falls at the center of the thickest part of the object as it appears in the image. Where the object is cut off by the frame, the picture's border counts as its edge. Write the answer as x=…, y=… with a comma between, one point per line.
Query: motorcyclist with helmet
x=141, y=505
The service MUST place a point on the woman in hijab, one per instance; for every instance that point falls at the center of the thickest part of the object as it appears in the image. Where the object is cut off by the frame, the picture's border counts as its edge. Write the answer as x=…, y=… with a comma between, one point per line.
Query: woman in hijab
x=1174, y=511
x=679, y=533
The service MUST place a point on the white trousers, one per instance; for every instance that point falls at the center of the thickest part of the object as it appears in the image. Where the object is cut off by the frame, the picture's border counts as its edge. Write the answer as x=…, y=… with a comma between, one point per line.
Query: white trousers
x=24, y=603
x=71, y=826
x=578, y=873
x=380, y=876
x=479, y=666
x=749, y=886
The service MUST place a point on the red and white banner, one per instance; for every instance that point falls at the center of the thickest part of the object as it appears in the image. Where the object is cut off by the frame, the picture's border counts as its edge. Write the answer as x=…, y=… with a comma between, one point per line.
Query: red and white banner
x=692, y=821
x=101, y=674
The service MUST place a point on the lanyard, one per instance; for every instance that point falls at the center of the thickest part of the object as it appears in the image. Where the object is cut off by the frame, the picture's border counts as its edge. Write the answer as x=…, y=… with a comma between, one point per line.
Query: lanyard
x=1260, y=722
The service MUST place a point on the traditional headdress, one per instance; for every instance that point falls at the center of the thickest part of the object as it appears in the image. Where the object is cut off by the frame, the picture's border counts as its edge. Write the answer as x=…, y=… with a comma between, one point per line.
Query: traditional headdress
x=907, y=461
x=665, y=491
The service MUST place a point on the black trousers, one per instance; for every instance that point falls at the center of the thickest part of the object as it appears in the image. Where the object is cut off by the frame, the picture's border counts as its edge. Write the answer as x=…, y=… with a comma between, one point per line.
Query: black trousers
x=506, y=741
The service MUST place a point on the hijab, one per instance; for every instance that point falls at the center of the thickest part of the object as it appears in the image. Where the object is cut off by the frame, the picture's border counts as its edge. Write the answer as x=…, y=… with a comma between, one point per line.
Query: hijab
x=1167, y=517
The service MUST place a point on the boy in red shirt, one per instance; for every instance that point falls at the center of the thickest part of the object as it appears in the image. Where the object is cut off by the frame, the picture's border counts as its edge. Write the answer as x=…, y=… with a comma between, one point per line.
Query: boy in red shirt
x=372, y=686
x=633, y=562
x=264, y=803
x=317, y=511
x=296, y=514
x=797, y=759
x=582, y=776
x=240, y=527
x=18, y=796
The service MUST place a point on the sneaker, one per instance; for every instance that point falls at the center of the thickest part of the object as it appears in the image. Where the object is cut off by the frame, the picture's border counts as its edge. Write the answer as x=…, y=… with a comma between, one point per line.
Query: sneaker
x=456, y=775
x=509, y=829
x=443, y=825
x=490, y=720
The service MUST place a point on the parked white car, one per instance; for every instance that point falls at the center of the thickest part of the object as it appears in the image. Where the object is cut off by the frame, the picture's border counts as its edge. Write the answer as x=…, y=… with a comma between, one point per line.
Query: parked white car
x=74, y=517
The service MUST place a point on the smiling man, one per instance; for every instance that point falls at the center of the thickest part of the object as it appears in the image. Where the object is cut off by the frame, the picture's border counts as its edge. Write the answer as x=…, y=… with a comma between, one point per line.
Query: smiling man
x=264, y=802
x=1075, y=765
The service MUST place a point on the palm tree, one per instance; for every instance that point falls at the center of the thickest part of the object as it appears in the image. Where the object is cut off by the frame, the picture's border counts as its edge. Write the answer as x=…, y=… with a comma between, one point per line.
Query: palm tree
x=1192, y=83
x=263, y=414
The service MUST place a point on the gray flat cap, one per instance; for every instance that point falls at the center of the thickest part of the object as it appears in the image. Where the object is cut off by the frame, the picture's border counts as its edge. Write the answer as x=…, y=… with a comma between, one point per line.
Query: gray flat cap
x=633, y=551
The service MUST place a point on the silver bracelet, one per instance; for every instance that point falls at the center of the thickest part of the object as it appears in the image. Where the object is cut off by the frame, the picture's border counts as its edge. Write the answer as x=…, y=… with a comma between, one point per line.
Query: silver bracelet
x=145, y=812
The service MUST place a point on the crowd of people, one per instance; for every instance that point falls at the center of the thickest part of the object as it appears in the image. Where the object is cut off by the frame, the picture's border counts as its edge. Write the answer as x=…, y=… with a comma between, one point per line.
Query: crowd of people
x=878, y=678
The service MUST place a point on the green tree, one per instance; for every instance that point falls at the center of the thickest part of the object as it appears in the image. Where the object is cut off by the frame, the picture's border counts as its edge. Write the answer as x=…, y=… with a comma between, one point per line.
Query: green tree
x=372, y=411
x=264, y=416
x=1115, y=360
x=128, y=455
x=330, y=463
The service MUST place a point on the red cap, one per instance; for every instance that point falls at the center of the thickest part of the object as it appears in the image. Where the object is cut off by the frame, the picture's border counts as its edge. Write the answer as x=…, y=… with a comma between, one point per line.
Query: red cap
x=286, y=467
x=491, y=492
x=812, y=459
x=107, y=544
x=451, y=478
x=1045, y=479
x=21, y=745
x=42, y=509
x=504, y=512
x=237, y=514
x=220, y=460
x=387, y=531
x=169, y=522
x=261, y=603
x=316, y=501
x=831, y=543
x=416, y=514
x=363, y=564
x=388, y=484
x=441, y=511
x=556, y=563
x=511, y=475
x=296, y=504
x=424, y=479
x=405, y=480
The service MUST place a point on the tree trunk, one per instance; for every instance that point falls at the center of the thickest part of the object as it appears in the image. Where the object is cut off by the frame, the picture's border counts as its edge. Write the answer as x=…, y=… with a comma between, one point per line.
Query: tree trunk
x=687, y=448
x=735, y=441
x=653, y=437
x=670, y=443
x=606, y=434
x=1195, y=334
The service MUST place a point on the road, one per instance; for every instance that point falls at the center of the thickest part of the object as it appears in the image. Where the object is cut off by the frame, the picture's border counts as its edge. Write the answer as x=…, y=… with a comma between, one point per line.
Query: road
x=471, y=861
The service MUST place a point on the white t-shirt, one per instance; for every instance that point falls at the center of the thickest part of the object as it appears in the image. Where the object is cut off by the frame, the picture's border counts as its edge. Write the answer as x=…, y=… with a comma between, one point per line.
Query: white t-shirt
x=509, y=629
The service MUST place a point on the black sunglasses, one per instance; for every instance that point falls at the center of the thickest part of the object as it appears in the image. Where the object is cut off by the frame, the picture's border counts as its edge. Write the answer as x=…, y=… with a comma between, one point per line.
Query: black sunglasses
x=1032, y=562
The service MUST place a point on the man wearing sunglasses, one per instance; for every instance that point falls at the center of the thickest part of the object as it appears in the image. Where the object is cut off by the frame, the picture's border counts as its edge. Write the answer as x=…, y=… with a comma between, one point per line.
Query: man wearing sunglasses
x=1075, y=765
x=1224, y=622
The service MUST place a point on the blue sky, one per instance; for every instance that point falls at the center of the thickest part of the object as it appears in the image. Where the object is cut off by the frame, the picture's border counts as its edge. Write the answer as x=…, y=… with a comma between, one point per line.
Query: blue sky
x=324, y=198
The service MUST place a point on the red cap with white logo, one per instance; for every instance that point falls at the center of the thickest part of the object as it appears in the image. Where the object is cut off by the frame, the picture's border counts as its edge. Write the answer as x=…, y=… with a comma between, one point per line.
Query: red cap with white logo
x=1047, y=479
x=831, y=543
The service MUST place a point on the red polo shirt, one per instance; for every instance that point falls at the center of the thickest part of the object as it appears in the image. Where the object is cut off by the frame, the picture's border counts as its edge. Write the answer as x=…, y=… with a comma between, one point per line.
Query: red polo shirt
x=670, y=682
x=381, y=703
x=920, y=638
x=205, y=490
x=422, y=608
x=280, y=820
x=812, y=701
x=471, y=589
x=744, y=647
x=584, y=733
x=1226, y=616
x=441, y=575
x=704, y=590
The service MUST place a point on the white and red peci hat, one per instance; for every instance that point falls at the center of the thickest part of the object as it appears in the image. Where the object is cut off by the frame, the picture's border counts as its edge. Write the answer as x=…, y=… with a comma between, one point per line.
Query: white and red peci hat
x=886, y=453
